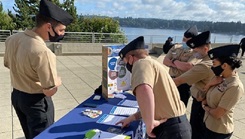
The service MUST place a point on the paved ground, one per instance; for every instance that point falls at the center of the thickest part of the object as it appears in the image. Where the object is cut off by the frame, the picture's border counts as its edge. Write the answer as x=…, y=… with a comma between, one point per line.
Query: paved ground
x=80, y=76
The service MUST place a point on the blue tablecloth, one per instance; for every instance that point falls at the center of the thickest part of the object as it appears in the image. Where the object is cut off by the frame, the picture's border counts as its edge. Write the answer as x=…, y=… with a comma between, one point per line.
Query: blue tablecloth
x=74, y=125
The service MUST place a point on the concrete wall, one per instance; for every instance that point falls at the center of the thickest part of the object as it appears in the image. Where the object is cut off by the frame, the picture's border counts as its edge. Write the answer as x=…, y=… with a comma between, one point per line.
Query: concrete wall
x=89, y=48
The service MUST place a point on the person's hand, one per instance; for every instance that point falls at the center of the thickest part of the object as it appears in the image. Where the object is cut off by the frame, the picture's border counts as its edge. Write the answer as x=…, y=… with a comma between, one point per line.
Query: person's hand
x=215, y=81
x=155, y=123
x=204, y=102
x=125, y=122
x=50, y=92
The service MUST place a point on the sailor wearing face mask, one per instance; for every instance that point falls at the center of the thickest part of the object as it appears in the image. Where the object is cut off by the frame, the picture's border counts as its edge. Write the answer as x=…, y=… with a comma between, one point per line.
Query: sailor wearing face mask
x=222, y=95
x=33, y=68
x=160, y=106
x=180, y=59
x=198, y=76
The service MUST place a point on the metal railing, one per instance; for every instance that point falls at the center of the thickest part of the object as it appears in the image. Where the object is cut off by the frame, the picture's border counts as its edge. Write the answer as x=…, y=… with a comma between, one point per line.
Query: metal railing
x=4, y=34
x=91, y=37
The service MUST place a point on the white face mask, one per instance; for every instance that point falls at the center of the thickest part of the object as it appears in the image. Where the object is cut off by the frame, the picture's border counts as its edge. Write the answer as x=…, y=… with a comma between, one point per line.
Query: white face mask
x=185, y=46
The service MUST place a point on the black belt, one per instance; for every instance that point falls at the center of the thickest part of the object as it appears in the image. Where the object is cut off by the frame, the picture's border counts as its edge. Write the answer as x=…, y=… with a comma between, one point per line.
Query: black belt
x=174, y=120
x=171, y=121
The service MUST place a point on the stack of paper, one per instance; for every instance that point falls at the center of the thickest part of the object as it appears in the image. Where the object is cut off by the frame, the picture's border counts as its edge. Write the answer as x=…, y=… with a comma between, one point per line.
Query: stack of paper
x=123, y=111
x=129, y=103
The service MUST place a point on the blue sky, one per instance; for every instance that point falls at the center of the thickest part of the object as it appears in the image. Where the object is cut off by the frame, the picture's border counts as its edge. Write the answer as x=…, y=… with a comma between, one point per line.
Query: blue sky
x=197, y=10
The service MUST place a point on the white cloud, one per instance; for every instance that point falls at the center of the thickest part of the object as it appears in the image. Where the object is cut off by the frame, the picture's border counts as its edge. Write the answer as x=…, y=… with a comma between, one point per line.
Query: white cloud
x=208, y=10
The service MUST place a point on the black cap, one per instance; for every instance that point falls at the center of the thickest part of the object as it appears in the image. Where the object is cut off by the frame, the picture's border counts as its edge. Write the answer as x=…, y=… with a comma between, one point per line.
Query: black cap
x=199, y=40
x=51, y=10
x=170, y=38
x=137, y=43
x=191, y=32
x=224, y=51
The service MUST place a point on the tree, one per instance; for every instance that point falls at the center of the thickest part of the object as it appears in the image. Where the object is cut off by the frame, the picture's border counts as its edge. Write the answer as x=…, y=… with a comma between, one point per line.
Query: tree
x=25, y=10
x=6, y=22
x=103, y=25
x=69, y=6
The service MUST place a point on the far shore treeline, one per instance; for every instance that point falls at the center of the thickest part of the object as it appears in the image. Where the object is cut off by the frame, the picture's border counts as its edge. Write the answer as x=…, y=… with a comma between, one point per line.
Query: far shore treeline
x=22, y=15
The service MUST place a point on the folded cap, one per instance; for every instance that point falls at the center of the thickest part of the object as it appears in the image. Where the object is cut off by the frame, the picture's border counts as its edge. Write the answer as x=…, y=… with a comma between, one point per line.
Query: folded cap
x=48, y=9
x=224, y=51
x=191, y=32
x=137, y=43
x=199, y=40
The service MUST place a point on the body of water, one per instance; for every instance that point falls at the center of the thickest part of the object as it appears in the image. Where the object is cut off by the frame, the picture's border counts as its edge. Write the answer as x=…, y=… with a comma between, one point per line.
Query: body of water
x=160, y=35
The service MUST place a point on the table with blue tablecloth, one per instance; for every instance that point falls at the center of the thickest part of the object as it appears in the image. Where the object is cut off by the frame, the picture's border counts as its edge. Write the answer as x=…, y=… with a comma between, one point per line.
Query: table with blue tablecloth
x=74, y=125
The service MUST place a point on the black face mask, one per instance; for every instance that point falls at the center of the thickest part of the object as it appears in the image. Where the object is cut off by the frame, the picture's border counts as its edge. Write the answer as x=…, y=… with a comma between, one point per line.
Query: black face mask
x=217, y=70
x=56, y=37
x=129, y=67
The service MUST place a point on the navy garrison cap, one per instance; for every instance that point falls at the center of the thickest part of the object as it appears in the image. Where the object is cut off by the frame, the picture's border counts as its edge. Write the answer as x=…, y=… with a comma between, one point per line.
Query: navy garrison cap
x=137, y=43
x=224, y=51
x=51, y=10
x=191, y=32
x=199, y=40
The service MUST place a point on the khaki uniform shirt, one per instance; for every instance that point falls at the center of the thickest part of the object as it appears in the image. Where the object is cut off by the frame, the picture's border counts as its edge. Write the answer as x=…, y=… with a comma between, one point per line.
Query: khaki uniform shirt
x=166, y=95
x=225, y=95
x=198, y=76
x=183, y=55
x=32, y=64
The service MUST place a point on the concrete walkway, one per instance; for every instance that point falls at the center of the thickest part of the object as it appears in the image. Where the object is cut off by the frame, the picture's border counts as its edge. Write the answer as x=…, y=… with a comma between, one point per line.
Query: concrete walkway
x=81, y=75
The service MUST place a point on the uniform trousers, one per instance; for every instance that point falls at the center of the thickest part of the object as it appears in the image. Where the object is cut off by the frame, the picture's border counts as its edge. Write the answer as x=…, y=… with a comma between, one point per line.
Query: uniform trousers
x=174, y=128
x=184, y=91
x=35, y=112
x=243, y=50
x=208, y=134
x=196, y=119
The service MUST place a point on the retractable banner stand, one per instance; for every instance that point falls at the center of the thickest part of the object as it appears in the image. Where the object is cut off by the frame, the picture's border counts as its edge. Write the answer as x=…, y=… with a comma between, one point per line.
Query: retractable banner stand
x=115, y=76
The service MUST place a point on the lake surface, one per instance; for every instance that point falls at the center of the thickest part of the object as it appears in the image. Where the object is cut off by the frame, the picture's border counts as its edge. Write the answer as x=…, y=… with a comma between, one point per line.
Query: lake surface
x=160, y=35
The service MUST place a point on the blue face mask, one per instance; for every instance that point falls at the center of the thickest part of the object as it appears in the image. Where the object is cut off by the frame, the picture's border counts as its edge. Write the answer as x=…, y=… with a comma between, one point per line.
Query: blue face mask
x=197, y=55
x=185, y=46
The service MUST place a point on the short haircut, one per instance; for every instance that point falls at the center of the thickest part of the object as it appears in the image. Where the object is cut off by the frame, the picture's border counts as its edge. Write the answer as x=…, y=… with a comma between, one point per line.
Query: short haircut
x=139, y=53
x=41, y=20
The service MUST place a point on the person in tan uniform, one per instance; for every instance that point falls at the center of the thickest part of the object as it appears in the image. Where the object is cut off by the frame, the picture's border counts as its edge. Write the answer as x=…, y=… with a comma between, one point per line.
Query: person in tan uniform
x=198, y=76
x=159, y=102
x=224, y=94
x=33, y=68
x=181, y=58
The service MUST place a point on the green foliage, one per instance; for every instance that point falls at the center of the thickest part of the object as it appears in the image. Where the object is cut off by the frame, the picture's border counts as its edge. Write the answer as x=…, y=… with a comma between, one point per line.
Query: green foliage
x=103, y=25
x=69, y=6
x=6, y=22
x=25, y=10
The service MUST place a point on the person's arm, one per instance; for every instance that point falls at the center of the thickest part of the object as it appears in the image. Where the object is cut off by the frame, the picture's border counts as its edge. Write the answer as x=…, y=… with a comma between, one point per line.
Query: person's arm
x=227, y=102
x=145, y=98
x=217, y=113
x=179, y=80
x=51, y=91
x=168, y=62
x=184, y=66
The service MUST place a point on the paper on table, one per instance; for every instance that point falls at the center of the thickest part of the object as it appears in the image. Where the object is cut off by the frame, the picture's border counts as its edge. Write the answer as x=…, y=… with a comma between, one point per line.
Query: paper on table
x=98, y=134
x=110, y=119
x=123, y=110
x=130, y=103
